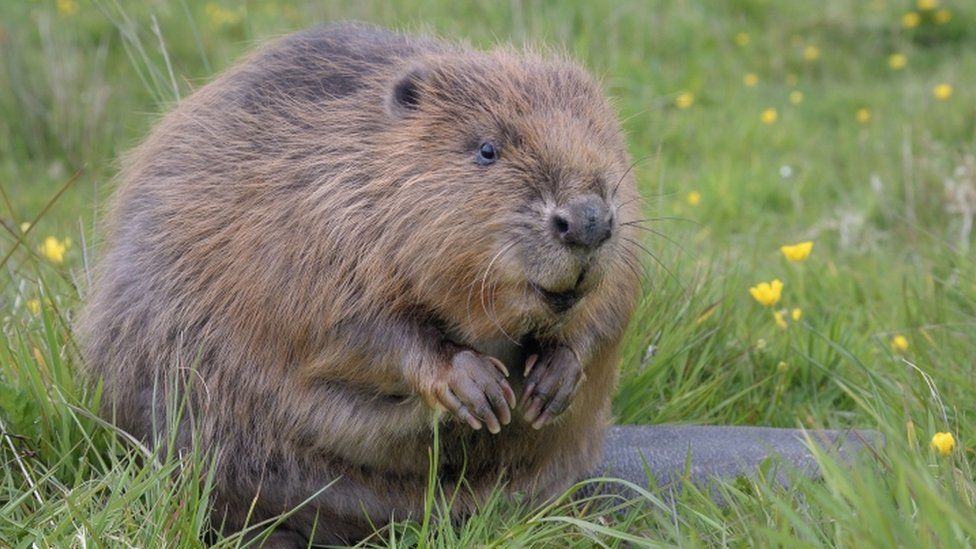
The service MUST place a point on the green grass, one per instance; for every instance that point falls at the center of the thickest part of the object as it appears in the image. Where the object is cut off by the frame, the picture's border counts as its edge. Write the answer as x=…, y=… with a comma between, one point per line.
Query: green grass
x=885, y=201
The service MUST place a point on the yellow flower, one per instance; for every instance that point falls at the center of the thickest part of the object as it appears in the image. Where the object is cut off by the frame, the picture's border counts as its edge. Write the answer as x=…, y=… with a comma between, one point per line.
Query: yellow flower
x=863, y=115
x=742, y=39
x=811, y=53
x=24, y=226
x=926, y=5
x=897, y=61
x=780, y=318
x=767, y=293
x=750, y=79
x=694, y=198
x=769, y=116
x=797, y=252
x=943, y=443
x=67, y=7
x=684, y=100
x=942, y=17
x=220, y=16
x=34, y=306
x=942, y=92
x=53, y=249
x=910, y=20
x=899, y=343
x=796, y=97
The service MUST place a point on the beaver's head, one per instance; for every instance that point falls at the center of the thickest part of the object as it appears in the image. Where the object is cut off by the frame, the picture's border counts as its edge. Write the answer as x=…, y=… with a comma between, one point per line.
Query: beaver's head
x=515, y=183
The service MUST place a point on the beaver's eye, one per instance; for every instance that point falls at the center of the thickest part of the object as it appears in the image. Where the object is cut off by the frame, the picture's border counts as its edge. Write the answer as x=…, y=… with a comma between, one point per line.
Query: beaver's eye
x=487, y=154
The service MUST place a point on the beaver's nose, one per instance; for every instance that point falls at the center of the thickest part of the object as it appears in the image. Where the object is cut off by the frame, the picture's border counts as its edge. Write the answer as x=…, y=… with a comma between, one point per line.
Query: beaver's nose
x=583, y=223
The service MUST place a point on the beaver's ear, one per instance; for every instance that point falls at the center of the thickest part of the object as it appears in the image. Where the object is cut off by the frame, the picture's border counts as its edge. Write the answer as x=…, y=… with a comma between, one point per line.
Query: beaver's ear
x=405, y=95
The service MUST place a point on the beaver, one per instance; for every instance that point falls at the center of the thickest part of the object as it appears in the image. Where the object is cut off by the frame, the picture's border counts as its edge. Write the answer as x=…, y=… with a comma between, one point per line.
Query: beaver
x=356, y=242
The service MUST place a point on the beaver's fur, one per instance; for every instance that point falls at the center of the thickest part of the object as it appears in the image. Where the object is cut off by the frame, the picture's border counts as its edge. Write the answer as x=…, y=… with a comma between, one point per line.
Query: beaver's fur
x=309, y=250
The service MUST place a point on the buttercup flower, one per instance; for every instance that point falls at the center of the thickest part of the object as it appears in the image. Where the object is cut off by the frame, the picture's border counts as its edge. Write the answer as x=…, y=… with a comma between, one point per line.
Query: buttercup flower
x=34, y=306
x=684, y=100
x=796, y=97
x=767, y=293
x=910, y=20
x=53, y=249
x=942, y=92
x=742, y=39
x=811, y=53
x=220, y=16
x=899, y=343
x=750, y=79
x=769, y=116
x=897, y=61
x=925, y=5
x=863, y=116
x=67, y=7
x=780, y=318
x=942, y=17
x=943, y=443
x=694, y=198
x=797, y=252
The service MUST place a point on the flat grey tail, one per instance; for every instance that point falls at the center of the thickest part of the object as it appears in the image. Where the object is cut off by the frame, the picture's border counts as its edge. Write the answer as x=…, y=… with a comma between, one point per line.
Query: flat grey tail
x=707, y=453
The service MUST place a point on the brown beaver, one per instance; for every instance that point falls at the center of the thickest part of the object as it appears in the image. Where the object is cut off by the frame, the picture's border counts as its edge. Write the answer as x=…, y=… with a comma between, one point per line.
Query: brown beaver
x=348, y=233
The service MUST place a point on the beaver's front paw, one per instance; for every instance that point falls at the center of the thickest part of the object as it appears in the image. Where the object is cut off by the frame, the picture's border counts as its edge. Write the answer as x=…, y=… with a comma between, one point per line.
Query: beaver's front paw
x=551, y=378
x=474, y=389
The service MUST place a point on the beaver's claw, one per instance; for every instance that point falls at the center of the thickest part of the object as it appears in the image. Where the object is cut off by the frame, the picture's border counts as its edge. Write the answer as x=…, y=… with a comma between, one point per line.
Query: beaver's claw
x=551, y=379
x=475, y=390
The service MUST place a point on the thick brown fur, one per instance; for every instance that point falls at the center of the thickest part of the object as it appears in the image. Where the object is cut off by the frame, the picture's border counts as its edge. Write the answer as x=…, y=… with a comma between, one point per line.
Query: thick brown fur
x=307, y=245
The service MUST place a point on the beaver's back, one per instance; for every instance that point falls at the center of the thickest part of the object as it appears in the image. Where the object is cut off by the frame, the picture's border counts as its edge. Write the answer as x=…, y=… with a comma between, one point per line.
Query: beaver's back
x=323, y=84
x=324, y=63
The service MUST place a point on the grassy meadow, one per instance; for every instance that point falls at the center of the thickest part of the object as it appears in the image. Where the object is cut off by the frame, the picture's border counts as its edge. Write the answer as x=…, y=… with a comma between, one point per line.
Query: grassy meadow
x=757, y=124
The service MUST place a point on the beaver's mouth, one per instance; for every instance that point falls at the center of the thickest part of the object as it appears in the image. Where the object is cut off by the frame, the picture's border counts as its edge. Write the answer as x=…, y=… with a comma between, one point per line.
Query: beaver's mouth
x=560, y=301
